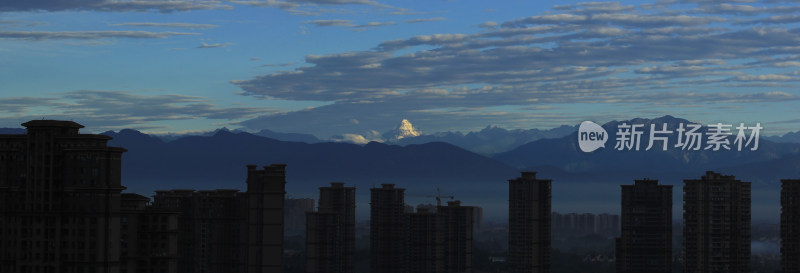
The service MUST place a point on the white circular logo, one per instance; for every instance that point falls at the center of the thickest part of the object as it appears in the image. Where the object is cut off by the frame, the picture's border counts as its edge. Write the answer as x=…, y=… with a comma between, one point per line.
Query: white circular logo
x=591, y=136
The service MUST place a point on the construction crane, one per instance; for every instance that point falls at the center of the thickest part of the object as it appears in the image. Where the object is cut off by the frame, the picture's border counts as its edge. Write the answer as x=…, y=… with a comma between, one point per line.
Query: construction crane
x=438, y=197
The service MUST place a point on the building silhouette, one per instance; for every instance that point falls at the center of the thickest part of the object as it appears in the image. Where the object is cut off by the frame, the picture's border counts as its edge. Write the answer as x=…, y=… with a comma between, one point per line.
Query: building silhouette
x=790, y=225
x=529, y=212
x=59, y=200
x=716, y=214
x=425, y=241
x=231, y=231
x=645, y=244
x=330, y=231
x=148, y=236
x=457, y=236
x=387, y=234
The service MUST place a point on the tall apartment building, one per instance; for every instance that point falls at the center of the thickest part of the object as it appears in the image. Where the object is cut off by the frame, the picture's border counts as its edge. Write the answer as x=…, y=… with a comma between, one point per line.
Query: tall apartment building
x=59, y=200
x=716, y=213
x=645, y=244
x=230, y=231
x=330, y=231
x=529, y=210
x=387, y=234
x=148, y=236
x=425, y=241
x=457, y=236
x=790, y=225
x=441, y=241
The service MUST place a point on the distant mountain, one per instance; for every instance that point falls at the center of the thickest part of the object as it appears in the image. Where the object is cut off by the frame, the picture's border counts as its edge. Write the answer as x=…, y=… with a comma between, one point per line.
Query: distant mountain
x=218, y=161
x=296, y=137
x=491, y=140
x=12, y=131
x=790, y=137
x=609, y=164
x=403, y=130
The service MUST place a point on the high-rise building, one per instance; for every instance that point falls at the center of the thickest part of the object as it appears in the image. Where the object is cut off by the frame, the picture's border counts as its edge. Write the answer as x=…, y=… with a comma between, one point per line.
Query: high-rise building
x=441, y=241
x=330, y=232
x=457, y=236
x=790, y=225
x=646, y=241
x=59, y=200
x=387, y=234
x=148, y=236
x=230, y=231
x=425, y=242
x=716, y=214
x=529, y=215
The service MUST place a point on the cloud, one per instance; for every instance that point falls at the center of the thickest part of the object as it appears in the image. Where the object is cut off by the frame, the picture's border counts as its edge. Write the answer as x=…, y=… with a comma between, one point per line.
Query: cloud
x=87, y=35
x=167, y=25
x=422, y=20
x=111, y=5
x=204, y=45
x=349, y=24
x=630, y=57
x=301, y=7
x=119, y=109
x=332, y=23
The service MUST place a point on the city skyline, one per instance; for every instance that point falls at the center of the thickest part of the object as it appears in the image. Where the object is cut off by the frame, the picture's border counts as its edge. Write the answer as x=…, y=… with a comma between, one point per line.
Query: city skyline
x=355, y=67
x=49, y=225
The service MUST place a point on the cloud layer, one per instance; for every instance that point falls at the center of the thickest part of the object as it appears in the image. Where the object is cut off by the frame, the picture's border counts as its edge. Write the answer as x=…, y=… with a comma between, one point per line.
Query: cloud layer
x=589, y=53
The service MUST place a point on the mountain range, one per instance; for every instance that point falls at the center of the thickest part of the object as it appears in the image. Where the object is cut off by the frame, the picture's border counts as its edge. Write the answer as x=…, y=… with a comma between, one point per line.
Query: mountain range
x=425, y=162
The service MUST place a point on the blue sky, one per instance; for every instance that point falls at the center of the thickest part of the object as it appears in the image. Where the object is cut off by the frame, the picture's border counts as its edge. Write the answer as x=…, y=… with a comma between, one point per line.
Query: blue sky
x=332, y=67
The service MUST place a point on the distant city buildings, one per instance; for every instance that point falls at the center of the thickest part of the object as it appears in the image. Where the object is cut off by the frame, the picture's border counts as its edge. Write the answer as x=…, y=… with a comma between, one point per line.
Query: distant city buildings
x=330, y=231
x=529, y=224
x=646, y=241
x=790, y=225
x=294, y=218
x=716, y=213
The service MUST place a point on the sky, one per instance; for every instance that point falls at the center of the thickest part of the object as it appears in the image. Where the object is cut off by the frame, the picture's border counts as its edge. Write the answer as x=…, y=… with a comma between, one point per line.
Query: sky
x=357, y=67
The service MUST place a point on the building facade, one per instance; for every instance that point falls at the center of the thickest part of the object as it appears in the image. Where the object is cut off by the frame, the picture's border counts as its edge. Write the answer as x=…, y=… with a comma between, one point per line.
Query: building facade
x=59, y=200
x=330, y=231
x=231, y=231
x=790, y=225
x=387, y=234
x=645, y=244
x=529, y=212
x=716, y=214
x=148, y=237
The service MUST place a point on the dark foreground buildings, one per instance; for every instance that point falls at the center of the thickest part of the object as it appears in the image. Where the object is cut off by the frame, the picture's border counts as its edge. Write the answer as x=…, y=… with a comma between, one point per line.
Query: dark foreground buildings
x=228, y=230
x=790, y=225
x=59, y=200
x=646, y=241
x=387, y=235
x=529, y=224
x=330, y=231
x=716, y=213
x=62, y=211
